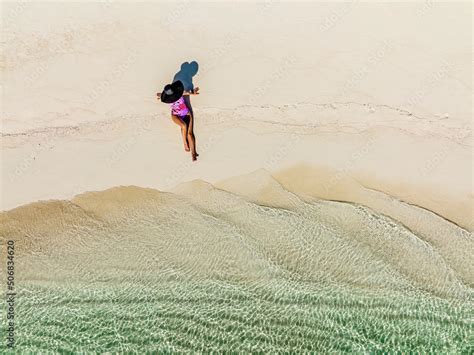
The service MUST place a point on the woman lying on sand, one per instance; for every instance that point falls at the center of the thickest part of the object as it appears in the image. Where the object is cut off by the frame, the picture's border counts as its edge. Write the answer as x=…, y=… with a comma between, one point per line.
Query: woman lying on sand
x=180, y=113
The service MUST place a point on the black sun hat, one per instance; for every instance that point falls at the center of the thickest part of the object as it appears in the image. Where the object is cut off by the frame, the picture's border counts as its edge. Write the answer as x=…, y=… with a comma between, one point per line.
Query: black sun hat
x=172, y=92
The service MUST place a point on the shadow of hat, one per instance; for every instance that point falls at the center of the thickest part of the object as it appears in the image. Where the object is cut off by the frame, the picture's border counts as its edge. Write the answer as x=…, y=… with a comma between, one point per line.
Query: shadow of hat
x=186, y=73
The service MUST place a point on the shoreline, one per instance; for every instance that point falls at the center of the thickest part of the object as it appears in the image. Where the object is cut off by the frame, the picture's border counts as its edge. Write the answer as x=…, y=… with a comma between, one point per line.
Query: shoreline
x=347, y=190
x=338, y=156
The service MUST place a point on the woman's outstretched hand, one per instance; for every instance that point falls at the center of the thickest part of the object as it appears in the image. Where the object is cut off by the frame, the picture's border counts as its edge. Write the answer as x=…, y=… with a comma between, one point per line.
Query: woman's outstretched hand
x=195, y=91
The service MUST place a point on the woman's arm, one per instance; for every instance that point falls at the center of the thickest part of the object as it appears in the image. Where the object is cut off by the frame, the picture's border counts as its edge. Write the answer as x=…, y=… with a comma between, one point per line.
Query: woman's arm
x=192, y=92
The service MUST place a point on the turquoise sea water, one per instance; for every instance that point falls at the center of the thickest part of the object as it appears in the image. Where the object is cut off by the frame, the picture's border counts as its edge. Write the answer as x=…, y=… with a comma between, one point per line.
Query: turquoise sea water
x=285, y=316
x=136, y=270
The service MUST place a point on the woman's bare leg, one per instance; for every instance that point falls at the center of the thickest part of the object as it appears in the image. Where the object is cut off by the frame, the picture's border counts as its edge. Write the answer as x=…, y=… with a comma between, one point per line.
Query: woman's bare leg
x=184, y=130
x=191, y=138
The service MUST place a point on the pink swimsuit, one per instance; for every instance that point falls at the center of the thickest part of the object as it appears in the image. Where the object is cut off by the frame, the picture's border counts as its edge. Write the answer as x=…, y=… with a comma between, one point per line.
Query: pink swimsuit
x=179, y=107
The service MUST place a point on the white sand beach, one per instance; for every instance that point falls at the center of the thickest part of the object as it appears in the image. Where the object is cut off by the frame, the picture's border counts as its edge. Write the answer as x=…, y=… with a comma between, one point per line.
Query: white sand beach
x=341, y=101
x=330, y=209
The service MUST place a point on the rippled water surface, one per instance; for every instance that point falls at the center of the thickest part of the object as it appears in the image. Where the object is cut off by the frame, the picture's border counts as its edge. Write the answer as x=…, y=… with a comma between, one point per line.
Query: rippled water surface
x=133, y=269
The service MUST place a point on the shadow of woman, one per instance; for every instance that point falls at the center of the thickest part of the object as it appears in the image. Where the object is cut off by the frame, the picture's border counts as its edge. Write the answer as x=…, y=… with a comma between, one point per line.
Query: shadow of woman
x=185, y=75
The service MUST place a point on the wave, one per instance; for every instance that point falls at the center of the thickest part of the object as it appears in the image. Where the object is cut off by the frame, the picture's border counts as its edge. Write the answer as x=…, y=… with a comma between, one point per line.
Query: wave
x=261, y=263
x=259, y=220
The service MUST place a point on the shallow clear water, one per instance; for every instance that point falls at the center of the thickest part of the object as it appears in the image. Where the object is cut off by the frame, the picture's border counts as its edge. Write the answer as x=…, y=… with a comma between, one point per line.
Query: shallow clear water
x=212, y=315
x=131, y=269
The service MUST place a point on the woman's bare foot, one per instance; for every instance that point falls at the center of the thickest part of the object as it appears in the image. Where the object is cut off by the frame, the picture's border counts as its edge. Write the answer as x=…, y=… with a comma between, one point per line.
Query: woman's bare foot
x=195, y=155
x=186, y=147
